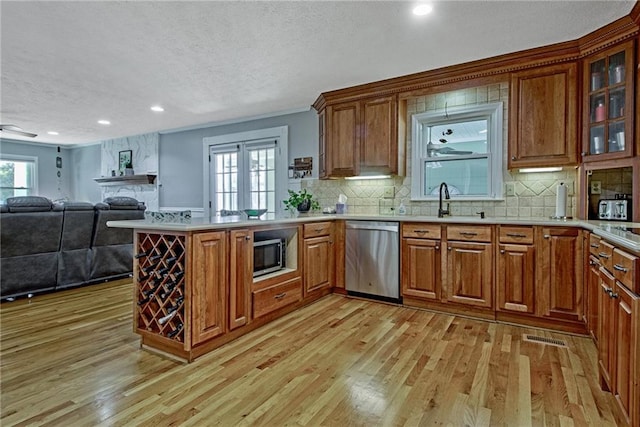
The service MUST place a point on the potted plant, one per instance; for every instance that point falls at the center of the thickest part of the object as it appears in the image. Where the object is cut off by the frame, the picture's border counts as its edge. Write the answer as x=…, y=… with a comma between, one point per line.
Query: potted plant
x=302, y=201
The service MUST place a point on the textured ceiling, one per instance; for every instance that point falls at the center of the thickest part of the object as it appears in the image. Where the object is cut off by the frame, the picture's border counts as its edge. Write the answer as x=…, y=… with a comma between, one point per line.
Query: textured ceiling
x=65, y=65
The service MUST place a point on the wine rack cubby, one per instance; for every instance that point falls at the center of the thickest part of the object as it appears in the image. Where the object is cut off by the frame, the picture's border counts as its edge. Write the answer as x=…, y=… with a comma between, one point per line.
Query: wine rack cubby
x=160, y=284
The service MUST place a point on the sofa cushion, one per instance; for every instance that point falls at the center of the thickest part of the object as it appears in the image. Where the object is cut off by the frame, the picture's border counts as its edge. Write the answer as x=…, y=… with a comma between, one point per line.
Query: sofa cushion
x=121, y=202
x=29, y=204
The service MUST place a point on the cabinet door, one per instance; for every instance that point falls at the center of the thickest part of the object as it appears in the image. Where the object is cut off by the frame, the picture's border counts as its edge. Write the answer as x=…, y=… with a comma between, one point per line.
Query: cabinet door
x=421, y=268
x=208, y=291
x=626, y=352
x=516, y=278
x=379, y=145
x=542, y=117
x=470, y=274
x=318, y=264
x=593, y=293
x=606, y=329
x=240, y=277
x=343, y=143
x=560, y=274
x=608, y=106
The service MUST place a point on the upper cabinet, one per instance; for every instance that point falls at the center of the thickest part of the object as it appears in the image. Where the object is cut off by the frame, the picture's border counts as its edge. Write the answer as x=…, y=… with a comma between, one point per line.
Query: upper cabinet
x=359, y=137
x=543, y=118
x=608, y=103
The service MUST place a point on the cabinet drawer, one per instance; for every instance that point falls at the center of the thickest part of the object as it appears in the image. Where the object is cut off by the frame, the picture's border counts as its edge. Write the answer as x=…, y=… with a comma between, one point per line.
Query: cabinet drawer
x=421, y=231
x=605, y=254
x=594, y=244
x=471, y=233
x=625, y=267
x=521, y=235
x=270, y=299
x=316, y=229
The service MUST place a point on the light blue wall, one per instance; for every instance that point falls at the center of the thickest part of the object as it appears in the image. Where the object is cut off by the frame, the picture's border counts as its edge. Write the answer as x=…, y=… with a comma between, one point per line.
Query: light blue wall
x=49, y=185
x=86, y=167
x=181, y=166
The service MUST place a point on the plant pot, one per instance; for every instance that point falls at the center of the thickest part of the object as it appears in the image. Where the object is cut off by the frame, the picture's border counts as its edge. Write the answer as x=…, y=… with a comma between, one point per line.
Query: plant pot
x=304, y=206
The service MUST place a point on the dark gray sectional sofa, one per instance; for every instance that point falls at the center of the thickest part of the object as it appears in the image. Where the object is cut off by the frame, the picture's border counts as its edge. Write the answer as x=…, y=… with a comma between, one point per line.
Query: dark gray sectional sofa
x=46, y=246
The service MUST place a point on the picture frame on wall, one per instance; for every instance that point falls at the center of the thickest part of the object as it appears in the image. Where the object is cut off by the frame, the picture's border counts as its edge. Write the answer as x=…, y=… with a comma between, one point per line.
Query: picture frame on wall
x=124, y=159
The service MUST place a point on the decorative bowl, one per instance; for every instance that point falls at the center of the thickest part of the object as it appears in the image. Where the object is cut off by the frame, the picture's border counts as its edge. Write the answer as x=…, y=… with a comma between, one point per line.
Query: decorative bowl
x=254, y=213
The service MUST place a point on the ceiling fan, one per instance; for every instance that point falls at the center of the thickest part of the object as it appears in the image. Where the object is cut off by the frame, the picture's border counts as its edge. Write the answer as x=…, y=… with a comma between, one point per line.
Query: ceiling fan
x=17, y=130
x=434, y=149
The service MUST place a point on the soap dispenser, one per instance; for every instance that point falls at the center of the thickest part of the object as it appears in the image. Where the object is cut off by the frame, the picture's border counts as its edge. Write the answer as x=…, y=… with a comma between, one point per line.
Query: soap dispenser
x=402, y=210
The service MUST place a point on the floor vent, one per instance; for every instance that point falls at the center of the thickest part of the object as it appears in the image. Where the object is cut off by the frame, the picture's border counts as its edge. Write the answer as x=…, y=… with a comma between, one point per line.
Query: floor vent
x=544, y=340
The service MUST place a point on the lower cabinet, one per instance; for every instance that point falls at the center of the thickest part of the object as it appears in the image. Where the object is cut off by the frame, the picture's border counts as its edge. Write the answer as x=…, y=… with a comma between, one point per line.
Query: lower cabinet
x=209, y=283
x=593, y=294
x=270, y=299
x=240, y=277
x=421, y=262
x=469, y=266
x=319, y=257
x=559, y=274
x=515, y=281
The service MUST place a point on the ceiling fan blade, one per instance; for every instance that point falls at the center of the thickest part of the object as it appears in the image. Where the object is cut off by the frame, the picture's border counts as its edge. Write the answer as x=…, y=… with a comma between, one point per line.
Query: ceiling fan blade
x=17, y=130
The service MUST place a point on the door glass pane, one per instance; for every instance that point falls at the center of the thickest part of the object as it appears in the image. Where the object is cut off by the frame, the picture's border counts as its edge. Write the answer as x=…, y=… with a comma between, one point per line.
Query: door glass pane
x=596, y=139
x=616, y=136
x=616, y=103
x=226, y=181
x=597, y=75
x=616, y=68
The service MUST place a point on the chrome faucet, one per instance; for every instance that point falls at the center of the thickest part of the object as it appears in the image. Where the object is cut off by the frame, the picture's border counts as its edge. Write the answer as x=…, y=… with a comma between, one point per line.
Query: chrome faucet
x=443, y=212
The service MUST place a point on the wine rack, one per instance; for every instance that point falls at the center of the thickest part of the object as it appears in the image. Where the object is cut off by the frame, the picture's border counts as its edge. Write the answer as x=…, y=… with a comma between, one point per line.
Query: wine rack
x=160, y=290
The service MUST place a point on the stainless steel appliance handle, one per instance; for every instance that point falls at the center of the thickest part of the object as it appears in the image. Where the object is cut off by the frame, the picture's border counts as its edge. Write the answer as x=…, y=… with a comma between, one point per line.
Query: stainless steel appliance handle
x=378, y=227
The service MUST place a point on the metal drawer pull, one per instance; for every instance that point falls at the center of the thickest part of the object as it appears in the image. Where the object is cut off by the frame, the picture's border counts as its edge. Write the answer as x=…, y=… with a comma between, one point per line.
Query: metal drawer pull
x=247, y=237
x=517, y=235
x=607, y=291
x=468, y=233
x=613, y=295
x=317, y=230
x=502, y=251
x=620, y=268
x=421, y=231
x=595, y=245
x=280, y=296
x=546, y=236
x=603, y=255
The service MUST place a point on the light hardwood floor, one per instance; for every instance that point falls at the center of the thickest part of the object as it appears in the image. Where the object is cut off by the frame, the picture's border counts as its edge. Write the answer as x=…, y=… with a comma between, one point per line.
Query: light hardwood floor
x=72, y=359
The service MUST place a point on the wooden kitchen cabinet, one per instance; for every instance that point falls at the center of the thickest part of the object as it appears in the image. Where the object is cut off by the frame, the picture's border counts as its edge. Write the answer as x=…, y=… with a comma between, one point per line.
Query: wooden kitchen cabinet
x=209, y=296
x=469, y=266
x=593, y=294
x=240, y=277
x=608, y=103
x=543, y=119
x=319, y=259
x=421, y=262
x=359, y=137
x=515, y=280
x=606, y=330
x=559, y=274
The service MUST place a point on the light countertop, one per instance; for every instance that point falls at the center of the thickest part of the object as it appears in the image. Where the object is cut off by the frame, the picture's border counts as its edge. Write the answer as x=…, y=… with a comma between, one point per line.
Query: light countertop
x=617, y=232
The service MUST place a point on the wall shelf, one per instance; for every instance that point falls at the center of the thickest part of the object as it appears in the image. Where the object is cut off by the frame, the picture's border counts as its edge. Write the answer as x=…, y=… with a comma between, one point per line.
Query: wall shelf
x=125, y=180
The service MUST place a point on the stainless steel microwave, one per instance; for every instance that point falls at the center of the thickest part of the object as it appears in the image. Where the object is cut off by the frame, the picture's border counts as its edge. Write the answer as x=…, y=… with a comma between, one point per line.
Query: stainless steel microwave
x=268, y=256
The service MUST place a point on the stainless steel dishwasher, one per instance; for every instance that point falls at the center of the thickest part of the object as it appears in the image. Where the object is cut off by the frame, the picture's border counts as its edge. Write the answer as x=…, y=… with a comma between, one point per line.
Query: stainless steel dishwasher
x=372, y=260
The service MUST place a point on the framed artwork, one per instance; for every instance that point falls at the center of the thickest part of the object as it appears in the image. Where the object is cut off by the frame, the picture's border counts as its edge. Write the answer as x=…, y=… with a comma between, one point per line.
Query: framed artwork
x=124, y=159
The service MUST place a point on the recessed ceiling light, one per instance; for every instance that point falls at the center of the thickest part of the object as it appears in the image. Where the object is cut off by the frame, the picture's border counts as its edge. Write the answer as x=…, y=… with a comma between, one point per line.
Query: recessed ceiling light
x=157, y=109
x=422, y=9
x=104, y=122
x=52, y=132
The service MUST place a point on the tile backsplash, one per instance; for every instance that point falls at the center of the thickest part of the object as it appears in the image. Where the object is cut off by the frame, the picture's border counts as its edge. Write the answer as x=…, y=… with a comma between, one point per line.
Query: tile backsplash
x=535, y=193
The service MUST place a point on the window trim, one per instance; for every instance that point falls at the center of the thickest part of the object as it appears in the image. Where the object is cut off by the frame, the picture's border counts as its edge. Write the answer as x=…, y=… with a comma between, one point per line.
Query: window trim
x=491, y=111
x=30, y=159
x=249, y=138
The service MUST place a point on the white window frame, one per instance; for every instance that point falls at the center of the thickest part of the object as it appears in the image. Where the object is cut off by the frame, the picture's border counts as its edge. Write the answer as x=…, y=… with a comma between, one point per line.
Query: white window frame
x=29, y=159
x=493, y=113
x=250, y=139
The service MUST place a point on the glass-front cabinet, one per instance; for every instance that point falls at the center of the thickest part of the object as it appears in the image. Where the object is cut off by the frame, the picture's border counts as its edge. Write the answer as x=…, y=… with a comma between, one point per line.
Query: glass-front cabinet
x=608, y=121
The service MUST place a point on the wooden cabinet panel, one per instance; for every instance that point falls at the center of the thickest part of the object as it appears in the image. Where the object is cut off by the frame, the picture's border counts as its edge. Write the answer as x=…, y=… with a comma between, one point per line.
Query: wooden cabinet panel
x=594, y=244
x=516, y=235
x=470, y=274
x=625, y=269
x=272, y=298
x=593, y=292
x=240, y=277
x=421, y=268
x=421, y=231
x=343, y=139
x=516, y=278
x=471, y=233
x=605, y=254
x=316, y=229
x=543, y=117
x=379, y=148
x=606, y=329
x=318, y=264
x=209, y=298
x=339, y=251
x=626, y=344
x=559, y=272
